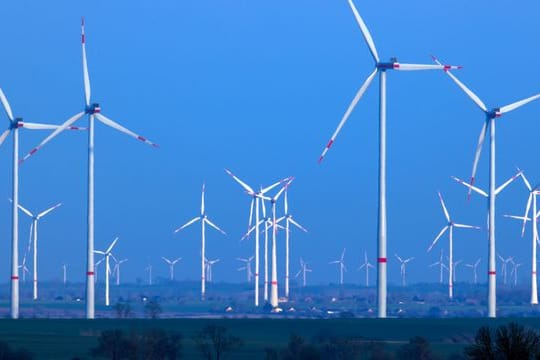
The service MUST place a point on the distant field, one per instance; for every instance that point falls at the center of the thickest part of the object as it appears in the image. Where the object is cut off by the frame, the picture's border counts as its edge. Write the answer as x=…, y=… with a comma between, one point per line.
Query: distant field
x=65, y=339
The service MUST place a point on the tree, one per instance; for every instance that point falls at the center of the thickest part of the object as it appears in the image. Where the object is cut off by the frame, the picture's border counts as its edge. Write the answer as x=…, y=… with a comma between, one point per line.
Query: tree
x=123, y=310
x=214, y=343
x=511, y=341
x=113, y=345
x=514, y=342
x=483, y=345
x=156, y=344
x=152, y=309
x=418, y=348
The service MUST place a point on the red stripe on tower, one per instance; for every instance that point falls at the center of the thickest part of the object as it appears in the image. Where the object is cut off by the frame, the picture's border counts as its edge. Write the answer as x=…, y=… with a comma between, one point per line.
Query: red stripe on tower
x=14, y=278
x=274, y=282
x=89, y=273
x=492, y=272
x=381, y=260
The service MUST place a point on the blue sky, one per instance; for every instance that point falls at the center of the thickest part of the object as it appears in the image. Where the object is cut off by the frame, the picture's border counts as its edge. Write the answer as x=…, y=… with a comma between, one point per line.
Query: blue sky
x=259, y=87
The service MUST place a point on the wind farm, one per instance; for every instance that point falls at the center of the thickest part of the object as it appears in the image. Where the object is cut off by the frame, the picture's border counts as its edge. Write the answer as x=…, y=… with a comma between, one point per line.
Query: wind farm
x=237, y=213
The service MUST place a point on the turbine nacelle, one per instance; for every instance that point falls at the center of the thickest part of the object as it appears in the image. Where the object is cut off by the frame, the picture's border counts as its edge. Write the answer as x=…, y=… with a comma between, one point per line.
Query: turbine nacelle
x=92, y=109
x=16, y=123
x=494, y=113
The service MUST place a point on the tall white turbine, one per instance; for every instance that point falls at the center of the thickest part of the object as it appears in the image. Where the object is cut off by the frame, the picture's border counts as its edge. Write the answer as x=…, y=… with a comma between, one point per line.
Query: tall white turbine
x=531, y=199
x=504, y=266
x=381, y=68
x=473, y=267
x=303, y=271
x=204, y=220
x=247, y=267
x=274, y=299
x=514, y=271
x=449, y=226
x=93, y=110
x=403, y=268
x=171, y=264
x=366, y=265
x=64, y=273
x=116, y=270
x=255, y=200
x=34, y=233
x=454, y=266
x=490, y=116
x=342, y=266
x=268, y=224
x=288, y=220
x=107, y=254
x=442, y=266
x=209, y=264
x=148, y=270
x=14, y=125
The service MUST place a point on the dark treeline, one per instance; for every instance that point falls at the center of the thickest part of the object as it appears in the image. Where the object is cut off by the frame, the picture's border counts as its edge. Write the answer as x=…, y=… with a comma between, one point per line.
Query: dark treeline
x=510, y=341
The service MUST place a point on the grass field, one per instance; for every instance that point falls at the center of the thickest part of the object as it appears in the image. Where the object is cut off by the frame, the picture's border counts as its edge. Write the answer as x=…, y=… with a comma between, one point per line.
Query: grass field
x=65, y=339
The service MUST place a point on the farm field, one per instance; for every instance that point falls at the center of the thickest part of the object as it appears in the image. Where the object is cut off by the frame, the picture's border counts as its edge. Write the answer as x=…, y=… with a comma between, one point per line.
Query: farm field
x=66, y=339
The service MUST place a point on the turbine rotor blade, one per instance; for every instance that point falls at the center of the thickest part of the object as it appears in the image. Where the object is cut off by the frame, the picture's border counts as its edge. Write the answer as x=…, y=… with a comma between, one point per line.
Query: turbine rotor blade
x=86, y=77
x=444, y=207
x=7, y=107
x=214, y=226
x=246, y=187
x=42, y=214
x=506, y=183
x=415, y=67
x=365, y=32
x=112, y=245
x=438, y=237
x=518, y=104
x=4, y=136
x=345, y=117
x=61, y=128
x=124, y=130
x=466, y=226
x=187, y=224
x=471, y=187
x=481, y=139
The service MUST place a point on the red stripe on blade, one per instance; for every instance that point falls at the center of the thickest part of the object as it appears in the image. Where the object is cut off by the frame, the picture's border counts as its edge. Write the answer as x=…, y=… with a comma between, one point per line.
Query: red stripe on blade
x=141, y=138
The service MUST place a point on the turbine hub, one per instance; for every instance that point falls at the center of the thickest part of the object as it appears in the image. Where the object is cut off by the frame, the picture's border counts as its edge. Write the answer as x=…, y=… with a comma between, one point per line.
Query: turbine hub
x=92, y=109
x=387, y=66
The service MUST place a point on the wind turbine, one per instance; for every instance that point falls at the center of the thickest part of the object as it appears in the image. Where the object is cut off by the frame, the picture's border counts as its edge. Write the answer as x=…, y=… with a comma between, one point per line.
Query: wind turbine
x=288, y=220
x=268, y=224
x=209, y=264
x=93, y=110
x=255, y=199
x=450, y=226
x=403, y=268
x=504, y=263
x=96, y=269
x=456, y=263
x=24, y=269
x=341, y=266
x=148, y=269
x=107, y=253
x=490, y=116
x=532, y=198
x=380, y=68
x=204, y=220
x=474, y=266
x=116, y=270
x=303, y=270
x=171, y=264
x=64, y=273
x=246, y=267
x=34, y=232
x=274, y=301
x=366, y=265
x=442, y=267
x=515, y=271
x=14, y=124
